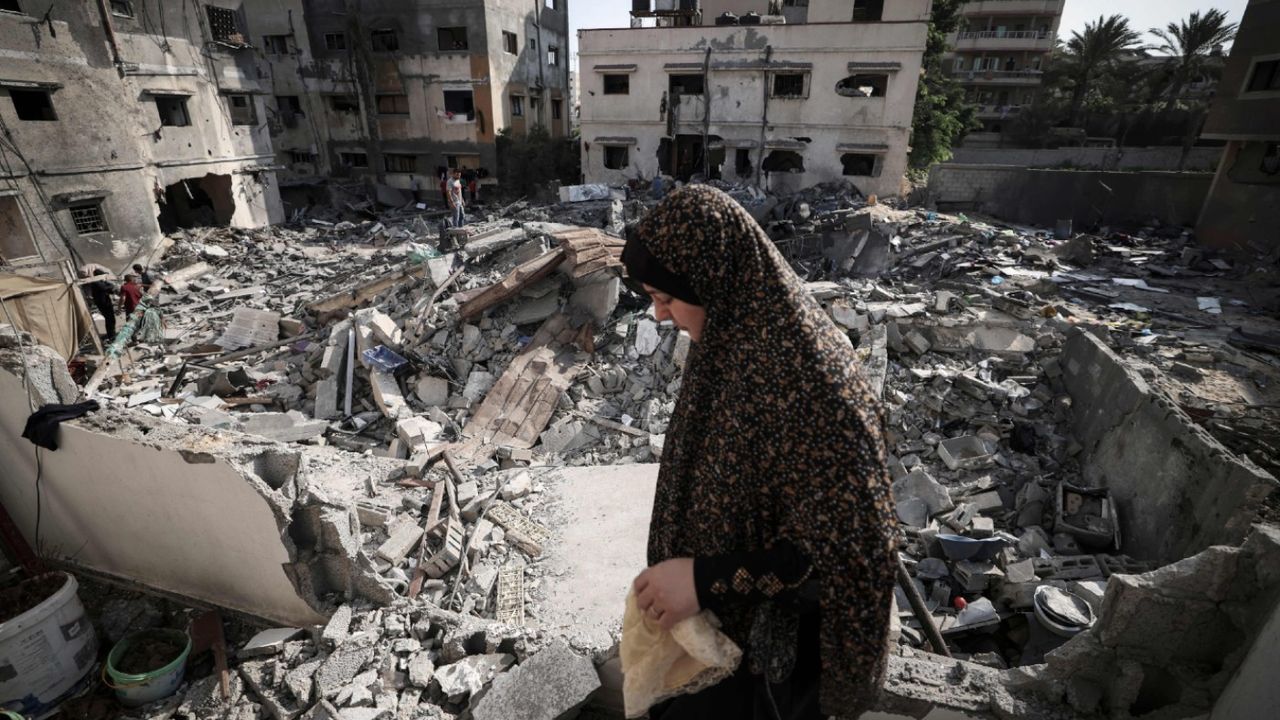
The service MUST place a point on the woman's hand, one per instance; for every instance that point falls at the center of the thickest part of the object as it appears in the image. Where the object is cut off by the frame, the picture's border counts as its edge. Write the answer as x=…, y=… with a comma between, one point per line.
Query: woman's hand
x=665, y=592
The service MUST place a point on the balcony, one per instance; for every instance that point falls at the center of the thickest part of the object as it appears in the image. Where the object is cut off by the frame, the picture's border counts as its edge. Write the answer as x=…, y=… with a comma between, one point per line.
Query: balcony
x=996, y=112
x=998, y=77
x=1006, y=40
x=1014, y=7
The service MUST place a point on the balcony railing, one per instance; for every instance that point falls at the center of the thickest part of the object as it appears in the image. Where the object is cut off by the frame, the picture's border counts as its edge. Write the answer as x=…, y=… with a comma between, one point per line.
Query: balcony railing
x=997, y=74
x=1005, y=34
x=998, y=110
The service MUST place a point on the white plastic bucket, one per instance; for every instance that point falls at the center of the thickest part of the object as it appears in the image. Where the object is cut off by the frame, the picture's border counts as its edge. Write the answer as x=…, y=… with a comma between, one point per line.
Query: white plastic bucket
x=47, y=654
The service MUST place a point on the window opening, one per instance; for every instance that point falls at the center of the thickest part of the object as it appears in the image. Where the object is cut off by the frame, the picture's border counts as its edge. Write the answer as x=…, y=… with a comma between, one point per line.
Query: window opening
x=510, y=42
x=686, y=84
x=742, y=162
x=88, y=218
x=33, y=104
x=460, y=103
x=859, y=164
x=344, y=103
x=555, y=109
x=275, y=44
x=384, y=41
x=617, y=157
x=517, y=106
x=788, y=85
x=119, y=8
x=400, y=163
x=617, y=84
x=173, y=110
x=354, y=160
x=242, y=112
x=393, y=104
x=553, y=55
x=335, y=41
x=867, y=10
x=452, y=38
x=223, y=25
x=1265, y=77
x=863, y=86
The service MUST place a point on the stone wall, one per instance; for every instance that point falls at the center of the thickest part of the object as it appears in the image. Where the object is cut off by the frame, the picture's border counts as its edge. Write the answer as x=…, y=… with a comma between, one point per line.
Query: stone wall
x=1087, y=197
x=1177, y=489
x=1204, y=159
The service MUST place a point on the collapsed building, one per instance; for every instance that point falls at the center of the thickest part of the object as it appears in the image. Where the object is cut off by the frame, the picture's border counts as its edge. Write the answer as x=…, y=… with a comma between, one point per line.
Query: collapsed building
x=414, y=469
x=128, y=119
x=779, y=95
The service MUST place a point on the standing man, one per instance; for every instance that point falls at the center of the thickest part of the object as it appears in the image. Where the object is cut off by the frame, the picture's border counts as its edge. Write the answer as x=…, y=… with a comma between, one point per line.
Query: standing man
x=144, y=276
x=455, y=198
x=469, y=178
x=100, y=291
x=130, y=295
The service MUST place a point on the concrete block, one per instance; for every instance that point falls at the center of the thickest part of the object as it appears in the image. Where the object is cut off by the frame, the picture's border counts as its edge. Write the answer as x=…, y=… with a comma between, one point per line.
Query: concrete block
x=387, y=395
x=469, y=675
x=403, y=539
x=339, y=625
x=479, y=383
x=432, y=391
x=384, y=329
x=418, y=432
x=552, y=684
x=597, y=299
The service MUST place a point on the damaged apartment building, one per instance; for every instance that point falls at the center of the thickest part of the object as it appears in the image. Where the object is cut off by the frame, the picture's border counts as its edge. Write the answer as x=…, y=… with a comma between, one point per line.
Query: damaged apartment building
x=394, y=90
x=781, y=95
x=126, y=119
x=119, y=126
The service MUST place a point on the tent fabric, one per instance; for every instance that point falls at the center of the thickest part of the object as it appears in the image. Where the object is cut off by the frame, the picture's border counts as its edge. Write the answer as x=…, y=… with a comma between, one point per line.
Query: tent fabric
x=43, y=307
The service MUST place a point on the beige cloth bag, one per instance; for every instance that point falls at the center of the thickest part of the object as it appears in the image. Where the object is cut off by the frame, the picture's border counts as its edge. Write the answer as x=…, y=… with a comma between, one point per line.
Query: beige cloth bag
x=659, y=664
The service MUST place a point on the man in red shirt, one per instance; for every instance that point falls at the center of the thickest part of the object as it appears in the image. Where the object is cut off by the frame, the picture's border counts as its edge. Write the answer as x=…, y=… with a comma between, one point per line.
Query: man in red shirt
x=130, y=295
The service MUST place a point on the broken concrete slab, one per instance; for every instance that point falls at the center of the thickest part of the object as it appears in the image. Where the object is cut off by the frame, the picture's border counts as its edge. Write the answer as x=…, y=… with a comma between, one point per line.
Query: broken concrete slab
x=468, y=676
x=1177, y=489
x=291, y=426
x=552, y=684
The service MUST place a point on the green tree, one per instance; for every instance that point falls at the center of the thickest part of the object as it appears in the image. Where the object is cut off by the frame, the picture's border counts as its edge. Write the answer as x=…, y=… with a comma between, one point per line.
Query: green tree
x=1192, y=42
x=528, y=163
x=1093, y=54
x=942, y=115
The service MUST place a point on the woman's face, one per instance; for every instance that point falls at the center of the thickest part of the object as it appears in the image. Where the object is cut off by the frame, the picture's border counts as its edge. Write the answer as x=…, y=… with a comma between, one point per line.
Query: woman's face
x=686, y=316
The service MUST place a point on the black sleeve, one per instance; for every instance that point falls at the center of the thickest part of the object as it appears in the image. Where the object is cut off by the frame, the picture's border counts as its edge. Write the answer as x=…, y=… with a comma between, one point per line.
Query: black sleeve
x=749, y=577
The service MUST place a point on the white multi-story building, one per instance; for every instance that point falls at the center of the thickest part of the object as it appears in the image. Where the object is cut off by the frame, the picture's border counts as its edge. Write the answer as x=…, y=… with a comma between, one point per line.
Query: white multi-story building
x=999, y=54
x=783, y=95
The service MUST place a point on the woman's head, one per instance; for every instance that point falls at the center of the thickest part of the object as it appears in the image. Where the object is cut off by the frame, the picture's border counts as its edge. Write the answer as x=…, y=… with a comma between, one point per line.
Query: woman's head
x=686, y=316
x=703, y=259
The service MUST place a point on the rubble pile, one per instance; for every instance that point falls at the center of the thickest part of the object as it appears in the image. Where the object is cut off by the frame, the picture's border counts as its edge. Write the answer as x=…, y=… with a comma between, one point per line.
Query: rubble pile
x=472, y=362
x=1009, y=543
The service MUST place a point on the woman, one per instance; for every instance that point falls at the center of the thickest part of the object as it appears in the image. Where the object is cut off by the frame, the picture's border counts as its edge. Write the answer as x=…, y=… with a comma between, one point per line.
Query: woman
x=773, y=507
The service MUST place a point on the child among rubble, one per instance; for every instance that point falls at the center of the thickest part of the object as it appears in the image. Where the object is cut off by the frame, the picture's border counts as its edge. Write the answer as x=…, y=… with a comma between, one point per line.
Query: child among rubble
x=773, y=507
x=130, y=294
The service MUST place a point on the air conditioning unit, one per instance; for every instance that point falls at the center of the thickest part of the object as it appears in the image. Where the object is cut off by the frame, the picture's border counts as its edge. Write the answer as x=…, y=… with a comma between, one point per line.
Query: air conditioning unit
x=727, y=18
x=750, y=18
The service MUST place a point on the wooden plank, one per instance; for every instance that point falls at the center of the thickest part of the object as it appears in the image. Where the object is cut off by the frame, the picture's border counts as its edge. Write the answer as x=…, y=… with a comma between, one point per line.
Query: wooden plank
x=518, y=279
x=360, y=295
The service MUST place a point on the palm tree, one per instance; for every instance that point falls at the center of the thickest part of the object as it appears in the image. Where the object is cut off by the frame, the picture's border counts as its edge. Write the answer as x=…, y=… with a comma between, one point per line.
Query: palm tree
x=1191, y=42
x=1091, y=53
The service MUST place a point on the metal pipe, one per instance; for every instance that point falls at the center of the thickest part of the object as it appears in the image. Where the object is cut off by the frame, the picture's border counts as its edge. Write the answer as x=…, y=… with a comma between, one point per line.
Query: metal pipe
x=921, y=612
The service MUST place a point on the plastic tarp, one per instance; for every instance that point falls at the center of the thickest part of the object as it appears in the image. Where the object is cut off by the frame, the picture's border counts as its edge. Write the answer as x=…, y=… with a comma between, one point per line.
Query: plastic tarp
x=43, y=307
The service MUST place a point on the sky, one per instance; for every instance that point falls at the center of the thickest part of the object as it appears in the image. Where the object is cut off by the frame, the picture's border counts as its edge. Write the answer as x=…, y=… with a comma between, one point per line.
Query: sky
x=1143, y=15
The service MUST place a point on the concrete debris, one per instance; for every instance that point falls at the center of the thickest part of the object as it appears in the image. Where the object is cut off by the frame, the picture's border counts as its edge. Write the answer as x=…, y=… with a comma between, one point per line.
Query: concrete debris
x=1049, y=443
